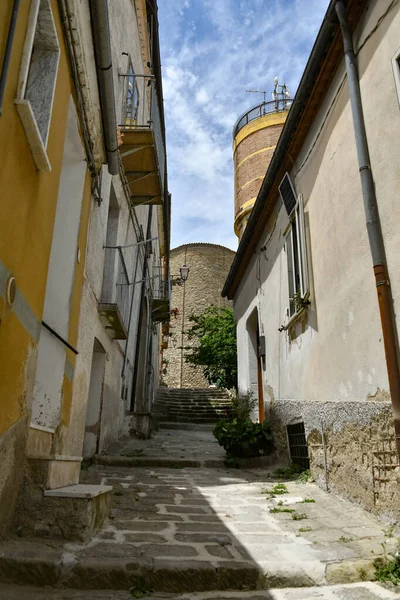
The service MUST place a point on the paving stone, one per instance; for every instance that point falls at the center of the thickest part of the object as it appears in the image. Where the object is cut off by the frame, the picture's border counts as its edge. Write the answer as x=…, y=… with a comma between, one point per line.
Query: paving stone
x=236, y=575
x=359, y=593
x=109, y=573
x=149, y=526
x=192, y=510
x=170, y=550
x=217, y=527
x=204, y=538
x=144, y=538
x=183, y=576
x=219, y=551
x=350, y=571
x=112, y=549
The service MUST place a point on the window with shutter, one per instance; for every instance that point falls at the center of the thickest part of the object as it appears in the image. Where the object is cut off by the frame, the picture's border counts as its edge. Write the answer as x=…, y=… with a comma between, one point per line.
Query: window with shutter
x=287, y=194
x=298, y=281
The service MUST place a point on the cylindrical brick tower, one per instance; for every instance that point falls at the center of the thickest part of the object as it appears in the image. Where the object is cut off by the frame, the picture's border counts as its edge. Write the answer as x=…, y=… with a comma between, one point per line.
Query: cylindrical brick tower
x=255, y=136
x=209, y=265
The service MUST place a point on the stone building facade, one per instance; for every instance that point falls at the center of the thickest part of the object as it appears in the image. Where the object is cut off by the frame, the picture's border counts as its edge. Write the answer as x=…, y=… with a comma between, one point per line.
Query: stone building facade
x=209, y=265
x=310, y=338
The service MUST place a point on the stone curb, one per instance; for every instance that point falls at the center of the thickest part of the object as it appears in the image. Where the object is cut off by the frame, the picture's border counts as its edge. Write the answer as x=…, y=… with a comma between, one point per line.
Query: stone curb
x=139, y=461
x=32, y=563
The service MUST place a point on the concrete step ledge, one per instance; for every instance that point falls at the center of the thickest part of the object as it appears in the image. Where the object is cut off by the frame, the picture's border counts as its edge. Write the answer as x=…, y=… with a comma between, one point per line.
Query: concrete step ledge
x=80, y=490
x=24, y=562
x=186, y=426
x=117, y=460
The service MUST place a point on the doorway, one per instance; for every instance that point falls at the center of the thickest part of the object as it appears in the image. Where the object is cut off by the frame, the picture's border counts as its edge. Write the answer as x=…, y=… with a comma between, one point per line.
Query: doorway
x=95, y=401
x=255, y=366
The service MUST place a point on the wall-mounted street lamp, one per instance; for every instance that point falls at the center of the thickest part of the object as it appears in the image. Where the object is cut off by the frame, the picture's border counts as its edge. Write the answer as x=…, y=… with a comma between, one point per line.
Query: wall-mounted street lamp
x=184, y=274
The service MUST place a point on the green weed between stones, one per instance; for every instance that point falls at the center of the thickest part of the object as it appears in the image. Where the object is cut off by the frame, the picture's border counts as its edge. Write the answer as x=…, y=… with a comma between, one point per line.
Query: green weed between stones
x=305, y=529
x=304, y=476
x=279, y=509
x=345, y=539
x=307, y=500
x=288, y=472
x=299, y=516
x=277, y=490
x=387, y=569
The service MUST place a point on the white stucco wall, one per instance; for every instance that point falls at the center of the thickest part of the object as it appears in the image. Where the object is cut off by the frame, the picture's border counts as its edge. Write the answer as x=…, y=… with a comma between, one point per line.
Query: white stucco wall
x=338, y=355
x=124, y=39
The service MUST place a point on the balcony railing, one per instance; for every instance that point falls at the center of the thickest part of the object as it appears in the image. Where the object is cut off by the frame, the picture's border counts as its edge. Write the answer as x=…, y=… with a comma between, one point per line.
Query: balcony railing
x=115, y=301
x=260, y=110
x=141, y=113
x=161, y=297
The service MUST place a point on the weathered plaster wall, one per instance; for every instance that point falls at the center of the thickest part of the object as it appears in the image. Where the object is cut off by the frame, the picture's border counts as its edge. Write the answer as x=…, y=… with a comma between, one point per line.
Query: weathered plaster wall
x=209, y=265
x=116, y=392
x=29, y=200
x=330, y=366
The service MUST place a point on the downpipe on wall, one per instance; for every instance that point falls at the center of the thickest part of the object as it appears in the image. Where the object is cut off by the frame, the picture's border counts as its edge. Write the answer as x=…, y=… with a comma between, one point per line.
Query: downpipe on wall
x=374, y=229
x=102, y=49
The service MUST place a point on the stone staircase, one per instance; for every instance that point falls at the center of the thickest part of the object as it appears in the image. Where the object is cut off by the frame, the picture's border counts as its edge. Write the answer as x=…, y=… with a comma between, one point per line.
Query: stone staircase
x=191, y=405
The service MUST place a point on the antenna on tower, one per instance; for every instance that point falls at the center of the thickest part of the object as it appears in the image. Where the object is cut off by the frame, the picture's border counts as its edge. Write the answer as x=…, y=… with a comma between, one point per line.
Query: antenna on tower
x=257, y=92
x=280, y=94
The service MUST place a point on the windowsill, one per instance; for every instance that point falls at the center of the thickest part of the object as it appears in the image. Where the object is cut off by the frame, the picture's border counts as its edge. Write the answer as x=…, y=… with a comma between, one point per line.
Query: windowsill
x=296, y=317
x=33, y=135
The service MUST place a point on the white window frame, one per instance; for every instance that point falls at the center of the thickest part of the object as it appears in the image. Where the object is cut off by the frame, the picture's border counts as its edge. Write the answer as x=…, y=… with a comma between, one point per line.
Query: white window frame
x=298, y=221
x=37, y=144
x=396, y=72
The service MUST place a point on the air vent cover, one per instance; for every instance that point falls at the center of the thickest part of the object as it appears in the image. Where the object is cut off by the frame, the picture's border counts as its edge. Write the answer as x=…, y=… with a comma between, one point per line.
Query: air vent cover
x=287, y=194
x=11, y=290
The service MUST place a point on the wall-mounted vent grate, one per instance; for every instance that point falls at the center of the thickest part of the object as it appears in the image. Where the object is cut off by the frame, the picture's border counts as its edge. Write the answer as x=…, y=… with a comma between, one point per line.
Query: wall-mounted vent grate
x=287, y=193
x=298, y=445
x=11, y=290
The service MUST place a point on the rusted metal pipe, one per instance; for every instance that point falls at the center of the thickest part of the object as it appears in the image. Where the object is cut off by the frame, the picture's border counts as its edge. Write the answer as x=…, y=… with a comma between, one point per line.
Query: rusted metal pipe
x=374, y=229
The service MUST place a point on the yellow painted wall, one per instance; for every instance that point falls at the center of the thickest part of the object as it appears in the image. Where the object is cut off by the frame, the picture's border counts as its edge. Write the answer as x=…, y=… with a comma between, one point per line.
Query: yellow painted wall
x=28, y=204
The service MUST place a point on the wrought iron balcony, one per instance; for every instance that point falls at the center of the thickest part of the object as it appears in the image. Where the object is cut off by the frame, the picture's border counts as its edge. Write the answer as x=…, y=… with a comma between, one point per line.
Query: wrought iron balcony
x=143, y=145
x=260, y=110
x=161, y=305
x=115, y=301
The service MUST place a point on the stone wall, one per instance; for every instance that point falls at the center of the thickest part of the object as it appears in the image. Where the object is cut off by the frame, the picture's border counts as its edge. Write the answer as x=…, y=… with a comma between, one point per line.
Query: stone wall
x=209, y=265
x=351, y=446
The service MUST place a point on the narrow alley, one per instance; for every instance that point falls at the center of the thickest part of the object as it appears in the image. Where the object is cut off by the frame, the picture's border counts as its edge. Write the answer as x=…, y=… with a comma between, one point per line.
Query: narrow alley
x=183, y=526
x=199, y=299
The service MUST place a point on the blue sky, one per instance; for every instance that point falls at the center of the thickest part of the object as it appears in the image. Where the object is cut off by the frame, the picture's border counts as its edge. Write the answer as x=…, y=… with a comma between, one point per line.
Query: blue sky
x=211, y=52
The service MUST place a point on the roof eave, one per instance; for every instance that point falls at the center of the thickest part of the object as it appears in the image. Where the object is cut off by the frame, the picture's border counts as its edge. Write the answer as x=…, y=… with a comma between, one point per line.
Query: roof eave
x=324, y=59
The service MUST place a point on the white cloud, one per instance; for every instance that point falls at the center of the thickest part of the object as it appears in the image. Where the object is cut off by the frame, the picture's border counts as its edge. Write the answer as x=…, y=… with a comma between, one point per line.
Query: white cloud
x=212, y=51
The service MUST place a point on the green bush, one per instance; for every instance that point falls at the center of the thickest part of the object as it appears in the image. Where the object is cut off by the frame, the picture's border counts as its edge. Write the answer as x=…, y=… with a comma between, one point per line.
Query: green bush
x=243, y=438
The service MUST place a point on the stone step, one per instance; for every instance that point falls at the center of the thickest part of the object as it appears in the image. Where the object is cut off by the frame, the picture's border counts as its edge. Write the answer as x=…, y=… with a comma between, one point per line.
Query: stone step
x=186, y=426
x=354, y=591
x=31, y=563
x=196, y=410
x=194, y=404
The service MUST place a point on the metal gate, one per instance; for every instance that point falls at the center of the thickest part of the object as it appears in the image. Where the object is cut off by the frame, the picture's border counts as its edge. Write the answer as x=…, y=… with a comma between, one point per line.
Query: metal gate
x=298, y=445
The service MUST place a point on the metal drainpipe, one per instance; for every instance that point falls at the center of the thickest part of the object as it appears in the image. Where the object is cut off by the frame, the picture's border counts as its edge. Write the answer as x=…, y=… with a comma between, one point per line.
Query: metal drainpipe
x=373, y=223
x=7, y=53
x=130, y=312
x=102, y=48
x=142, y=300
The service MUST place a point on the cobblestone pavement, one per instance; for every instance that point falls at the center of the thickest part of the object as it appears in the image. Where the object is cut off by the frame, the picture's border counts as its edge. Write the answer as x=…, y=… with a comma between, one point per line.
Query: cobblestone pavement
x=181, y=531
x=197, y=444
x=219, y=518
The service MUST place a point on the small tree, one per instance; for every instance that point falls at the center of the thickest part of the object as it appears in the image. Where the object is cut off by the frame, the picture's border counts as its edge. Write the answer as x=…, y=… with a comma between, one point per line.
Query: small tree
x=214, y=335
